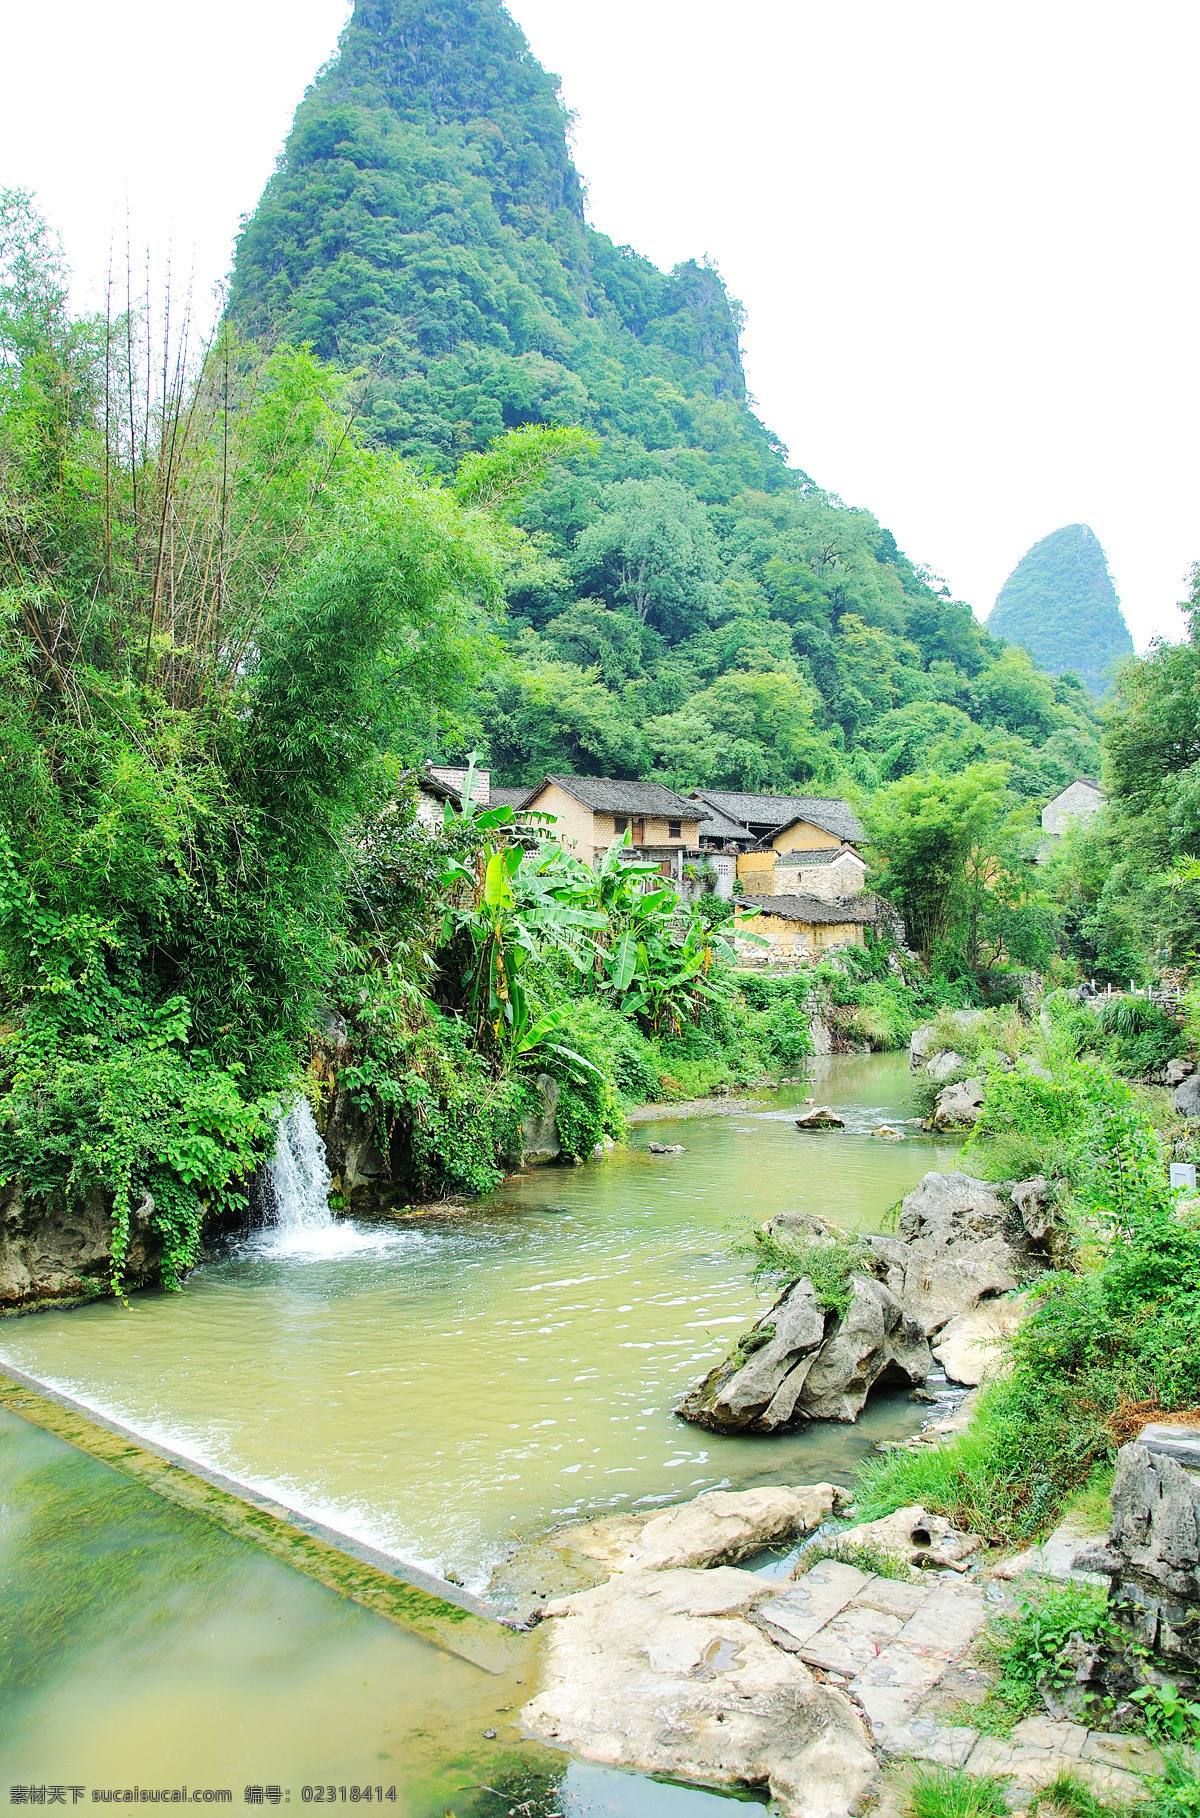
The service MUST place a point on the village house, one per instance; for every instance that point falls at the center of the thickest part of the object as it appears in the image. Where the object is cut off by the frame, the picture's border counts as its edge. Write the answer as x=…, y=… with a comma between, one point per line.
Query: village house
x=591, y=811
x=801, y=928
x=1078, y=801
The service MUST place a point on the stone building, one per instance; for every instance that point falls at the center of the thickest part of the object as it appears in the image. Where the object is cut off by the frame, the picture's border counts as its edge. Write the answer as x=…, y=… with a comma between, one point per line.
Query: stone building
x=1076, y=802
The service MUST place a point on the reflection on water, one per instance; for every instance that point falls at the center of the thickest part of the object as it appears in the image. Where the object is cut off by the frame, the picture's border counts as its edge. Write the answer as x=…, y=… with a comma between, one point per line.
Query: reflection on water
x=444, y=1387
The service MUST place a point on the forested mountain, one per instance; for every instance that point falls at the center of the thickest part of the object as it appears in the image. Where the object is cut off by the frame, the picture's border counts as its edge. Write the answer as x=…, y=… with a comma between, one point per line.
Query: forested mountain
x=686, y=605
x=1060, y=604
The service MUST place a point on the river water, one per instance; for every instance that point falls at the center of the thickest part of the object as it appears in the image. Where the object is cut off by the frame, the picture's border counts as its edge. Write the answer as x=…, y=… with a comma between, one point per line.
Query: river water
x=443, y=1389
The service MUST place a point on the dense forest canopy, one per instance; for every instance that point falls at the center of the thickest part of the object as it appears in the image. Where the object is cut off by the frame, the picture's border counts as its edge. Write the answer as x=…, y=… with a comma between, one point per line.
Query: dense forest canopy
x=1059, y=603
x=688, y=606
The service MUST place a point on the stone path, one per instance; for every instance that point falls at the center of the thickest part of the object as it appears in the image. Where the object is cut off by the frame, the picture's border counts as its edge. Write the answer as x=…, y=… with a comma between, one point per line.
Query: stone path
x=890, y=1645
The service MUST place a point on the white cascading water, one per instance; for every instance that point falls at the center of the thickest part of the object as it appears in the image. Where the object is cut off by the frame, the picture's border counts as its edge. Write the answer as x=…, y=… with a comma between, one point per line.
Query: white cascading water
x=298, y=1177
x=299, y=1222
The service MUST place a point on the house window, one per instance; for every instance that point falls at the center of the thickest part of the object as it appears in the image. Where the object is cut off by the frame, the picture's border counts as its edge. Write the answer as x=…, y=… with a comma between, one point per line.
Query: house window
x=620, y=822
x=674, y=830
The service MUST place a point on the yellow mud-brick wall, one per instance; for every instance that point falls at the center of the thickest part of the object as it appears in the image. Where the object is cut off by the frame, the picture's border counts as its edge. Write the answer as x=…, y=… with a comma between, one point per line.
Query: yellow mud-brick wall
x=757, y=873
x=815, y=937
x=803, y=837
x=573, y=822
x=657, y=834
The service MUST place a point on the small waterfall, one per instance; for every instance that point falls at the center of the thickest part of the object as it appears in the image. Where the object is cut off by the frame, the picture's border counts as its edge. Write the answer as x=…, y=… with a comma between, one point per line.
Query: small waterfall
x=300, y=1227
x=298, y=1177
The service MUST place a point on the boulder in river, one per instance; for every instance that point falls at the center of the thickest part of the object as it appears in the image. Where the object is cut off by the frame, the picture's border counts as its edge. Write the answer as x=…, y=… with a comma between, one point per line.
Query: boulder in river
x=665, y=1673
x=945, y=1065
x=958, y=1241
x=957, y=1106
x=821, y=1117
x=803, y=1362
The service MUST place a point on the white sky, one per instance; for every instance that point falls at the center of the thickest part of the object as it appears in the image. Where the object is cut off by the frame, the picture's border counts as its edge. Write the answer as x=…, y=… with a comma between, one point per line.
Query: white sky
x=965, y=234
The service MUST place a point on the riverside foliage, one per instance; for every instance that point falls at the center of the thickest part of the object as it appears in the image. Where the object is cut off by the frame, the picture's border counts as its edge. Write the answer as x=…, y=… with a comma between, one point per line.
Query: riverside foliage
x=228, y=632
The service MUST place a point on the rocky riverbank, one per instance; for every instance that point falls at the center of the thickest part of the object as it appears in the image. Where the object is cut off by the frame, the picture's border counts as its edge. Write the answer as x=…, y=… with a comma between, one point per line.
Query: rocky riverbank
x=928, y=1291
x=863, y=1652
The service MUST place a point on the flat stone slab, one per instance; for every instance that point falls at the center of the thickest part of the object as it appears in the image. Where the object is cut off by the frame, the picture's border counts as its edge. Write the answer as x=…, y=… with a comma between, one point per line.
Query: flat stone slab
x=1055, y=1558
x=1180, y=1443
x=806, y=1606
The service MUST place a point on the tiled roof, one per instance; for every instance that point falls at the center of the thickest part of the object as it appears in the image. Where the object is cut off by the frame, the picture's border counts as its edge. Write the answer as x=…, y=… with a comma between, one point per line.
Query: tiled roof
x=718, y=826
x=817, y=855
x=831, y=813
x=506, y=798
x=812, y=910
x=610, y=795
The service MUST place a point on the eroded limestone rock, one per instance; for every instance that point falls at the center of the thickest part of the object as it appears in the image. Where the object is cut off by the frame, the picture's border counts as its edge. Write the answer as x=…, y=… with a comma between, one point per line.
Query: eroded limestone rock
x=1153, y=1553
x=722, y=1526
x=972, y=1345
x=802, y=1362
x=663, y=1672
x=915, y=1537
x=943, y=1066
x=54, y=1249
x=957, y=1106
x=958, y=1241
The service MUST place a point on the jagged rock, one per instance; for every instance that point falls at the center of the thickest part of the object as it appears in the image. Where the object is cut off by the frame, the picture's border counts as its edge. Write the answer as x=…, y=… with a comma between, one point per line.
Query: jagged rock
x=972, y=1345
x=721, y=1526
x=1034, y=1202
x=759, y=1384
x=1187, y=1097
x=800, y=1362
x=662, y=1672
x=873, y=1341
x=958, y=1240
x=820, y=1118
x=804, y=1227
x=1178, y=1071
x=53, y=1249
x=957, y=1106
x=665, y=1148
x=944, y=1065
x=915, y=1537
x=1153, y=1553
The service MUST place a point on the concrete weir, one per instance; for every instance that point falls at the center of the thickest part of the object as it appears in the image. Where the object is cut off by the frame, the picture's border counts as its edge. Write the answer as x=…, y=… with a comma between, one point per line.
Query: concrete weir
x=405, y=1594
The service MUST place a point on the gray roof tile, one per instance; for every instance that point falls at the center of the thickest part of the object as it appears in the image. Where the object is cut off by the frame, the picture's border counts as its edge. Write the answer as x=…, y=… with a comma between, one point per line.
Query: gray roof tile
x=611, y=795
x=831, y=813
x=813, y=910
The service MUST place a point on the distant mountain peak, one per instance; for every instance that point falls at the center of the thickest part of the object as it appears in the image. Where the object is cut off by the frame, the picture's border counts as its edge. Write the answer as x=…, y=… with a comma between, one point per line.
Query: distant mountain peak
x=1060, y=604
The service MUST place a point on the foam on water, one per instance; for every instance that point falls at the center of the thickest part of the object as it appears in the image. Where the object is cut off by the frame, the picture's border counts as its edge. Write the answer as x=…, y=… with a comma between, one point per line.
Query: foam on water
x=300, y=1224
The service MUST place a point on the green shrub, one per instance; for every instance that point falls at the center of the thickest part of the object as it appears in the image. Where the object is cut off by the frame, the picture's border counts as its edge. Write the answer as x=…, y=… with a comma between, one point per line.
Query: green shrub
x=1030, y=1651
x=829, y=1265
x=1176, y=1793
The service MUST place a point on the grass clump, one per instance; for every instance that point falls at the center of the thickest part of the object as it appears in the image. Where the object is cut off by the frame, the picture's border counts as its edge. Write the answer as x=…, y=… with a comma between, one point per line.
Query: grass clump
x=1067, y=1794
x=944, y=1792
x=829, y=1263
x=1031, y=1651
x=1176, y=1793
x=860, y=1553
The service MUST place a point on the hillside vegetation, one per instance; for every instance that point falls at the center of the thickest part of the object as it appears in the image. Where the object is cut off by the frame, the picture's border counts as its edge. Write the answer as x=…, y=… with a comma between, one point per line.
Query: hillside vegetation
x=688, y=605
x=1059, y=603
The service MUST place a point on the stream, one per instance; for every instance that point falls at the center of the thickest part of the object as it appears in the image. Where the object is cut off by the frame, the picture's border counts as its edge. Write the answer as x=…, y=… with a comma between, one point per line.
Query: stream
x=442, y=1388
